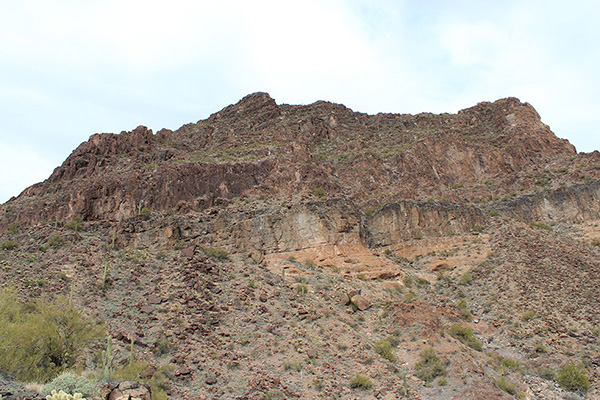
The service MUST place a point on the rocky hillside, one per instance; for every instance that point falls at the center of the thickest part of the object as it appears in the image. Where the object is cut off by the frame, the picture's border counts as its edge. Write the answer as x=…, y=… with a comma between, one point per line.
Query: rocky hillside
x=283, y=251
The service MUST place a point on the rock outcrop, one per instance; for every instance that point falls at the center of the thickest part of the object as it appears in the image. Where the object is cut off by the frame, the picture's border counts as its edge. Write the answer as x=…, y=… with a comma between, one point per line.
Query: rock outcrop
x=256, y=148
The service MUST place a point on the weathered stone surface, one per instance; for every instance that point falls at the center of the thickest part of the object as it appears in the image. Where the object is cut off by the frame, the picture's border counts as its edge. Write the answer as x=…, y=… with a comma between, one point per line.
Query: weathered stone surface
x=115, y=177
x=154, y=299
x=130, y=390
x=407, y=220
x=360, y=302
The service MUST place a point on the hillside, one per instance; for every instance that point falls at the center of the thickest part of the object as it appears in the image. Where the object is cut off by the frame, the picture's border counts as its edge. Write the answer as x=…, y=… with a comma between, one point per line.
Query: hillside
x=276, y=251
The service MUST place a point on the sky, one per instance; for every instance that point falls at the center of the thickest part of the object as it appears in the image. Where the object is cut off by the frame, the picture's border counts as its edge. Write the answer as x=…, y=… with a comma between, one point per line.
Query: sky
x=72, y=68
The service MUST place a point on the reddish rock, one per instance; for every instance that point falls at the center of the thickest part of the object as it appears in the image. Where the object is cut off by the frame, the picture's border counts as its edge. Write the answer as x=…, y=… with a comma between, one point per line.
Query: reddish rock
x=188, y=252
x=147, y=309
x=154, y=299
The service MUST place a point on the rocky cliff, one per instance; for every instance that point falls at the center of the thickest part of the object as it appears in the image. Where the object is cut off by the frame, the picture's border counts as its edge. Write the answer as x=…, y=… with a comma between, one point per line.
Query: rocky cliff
x=280, y=251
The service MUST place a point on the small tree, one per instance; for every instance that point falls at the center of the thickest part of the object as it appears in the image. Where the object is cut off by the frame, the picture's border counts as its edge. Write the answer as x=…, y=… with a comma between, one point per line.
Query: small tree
x=573, y=377
x=43, y=338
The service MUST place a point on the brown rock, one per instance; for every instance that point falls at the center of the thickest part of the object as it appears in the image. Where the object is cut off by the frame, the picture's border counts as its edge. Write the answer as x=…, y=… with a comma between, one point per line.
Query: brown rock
x=344, y=298
x=360, y=302
x=188, y=252
x=154, y=299
x=210, y=380
x=147, y=309
x=183, y=370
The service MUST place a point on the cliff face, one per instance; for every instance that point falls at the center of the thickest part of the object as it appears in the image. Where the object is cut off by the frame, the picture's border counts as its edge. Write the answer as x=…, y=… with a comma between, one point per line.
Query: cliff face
x=578, y=203
x=398, y=222
x=259, y=148
x=269, y=250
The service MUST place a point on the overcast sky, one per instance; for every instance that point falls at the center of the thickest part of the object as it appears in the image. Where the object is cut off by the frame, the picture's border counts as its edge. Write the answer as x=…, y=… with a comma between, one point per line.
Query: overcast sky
x=71, y=68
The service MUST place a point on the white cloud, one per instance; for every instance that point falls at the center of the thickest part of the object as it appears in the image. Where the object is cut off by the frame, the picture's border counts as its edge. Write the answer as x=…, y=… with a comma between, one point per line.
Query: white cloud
x=70, y=68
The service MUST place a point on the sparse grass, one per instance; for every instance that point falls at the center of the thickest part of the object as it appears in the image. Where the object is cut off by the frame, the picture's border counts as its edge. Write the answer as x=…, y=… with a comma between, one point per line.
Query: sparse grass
x=75, y=224
x=540, y=225
x=528, y=315
x=466, y=278
x=384, y=348
x=409, y=296
x=465, y=335
x=540, y=348
x=215, y=252
x=422, y=281
x=511, y=364
x=506, y=385
x=9, y=245
x=465, y=314
x=547, y=373
x=362, y=277
x=288, y=365
x=360, y=382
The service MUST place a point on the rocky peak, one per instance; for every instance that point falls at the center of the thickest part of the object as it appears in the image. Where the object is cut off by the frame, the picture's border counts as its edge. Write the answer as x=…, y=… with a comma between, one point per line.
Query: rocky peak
x=258, y=148
x=254, y=109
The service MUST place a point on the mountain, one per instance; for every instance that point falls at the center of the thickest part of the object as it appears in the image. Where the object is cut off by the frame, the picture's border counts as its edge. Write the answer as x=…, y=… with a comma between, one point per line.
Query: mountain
x=277, y=251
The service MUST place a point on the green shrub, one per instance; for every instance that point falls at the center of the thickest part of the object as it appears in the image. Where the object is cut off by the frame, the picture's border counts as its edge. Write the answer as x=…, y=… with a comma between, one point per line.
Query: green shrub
x=429, y=365
x=360, y=381
x=384, y=349
x=9, y=245
x=573, y=377
x=540, y=225
x=422, y=281
x=43, y=338
x=465, y=278
x=466, y=315
x=540, y=348
x=528, y=315
x=216, y=252
x=55, y=239
x=362, y=277
x=12, y=227
x=139, y=370
x=74, y=224
x=320, y=192
x=510, y=363
x=71, y=384
x=465, y=335
x=301, y=288
x=506, y=385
